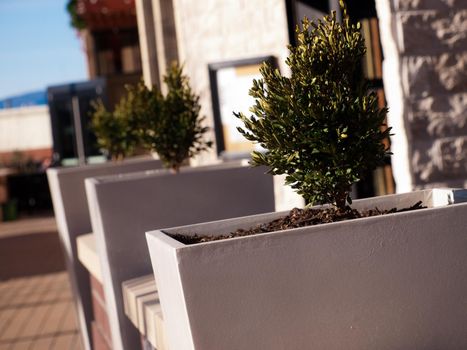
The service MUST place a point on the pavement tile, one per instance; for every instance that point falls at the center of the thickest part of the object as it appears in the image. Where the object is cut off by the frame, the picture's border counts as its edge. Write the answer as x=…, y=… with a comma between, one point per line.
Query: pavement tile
x=42, y=285
x=23, y=345
x=33, y=299
x=69, y=321
x=6, y=317
x=13, y=289
x=28, y=323
x=53, y=320
x=36, y=303
x=15, y=324
x=42, y=343
x=47, y=289
x=76, y=345
x=65, y=341
x=64, y=292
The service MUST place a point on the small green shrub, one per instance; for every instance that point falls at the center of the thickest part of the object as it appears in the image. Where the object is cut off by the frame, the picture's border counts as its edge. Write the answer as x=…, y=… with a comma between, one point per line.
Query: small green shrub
x=119, y=132
x=169, y=125
x=174, y=130
x=109, y=131
x=320, y=126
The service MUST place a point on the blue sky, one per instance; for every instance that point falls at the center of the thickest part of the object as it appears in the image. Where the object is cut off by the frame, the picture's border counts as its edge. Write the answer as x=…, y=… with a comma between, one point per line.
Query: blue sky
x=38, y=47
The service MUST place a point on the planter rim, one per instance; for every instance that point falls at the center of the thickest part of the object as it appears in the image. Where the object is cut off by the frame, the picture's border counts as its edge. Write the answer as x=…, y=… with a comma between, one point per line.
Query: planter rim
x=235, y=223
x=107, y=164
x=167, y=172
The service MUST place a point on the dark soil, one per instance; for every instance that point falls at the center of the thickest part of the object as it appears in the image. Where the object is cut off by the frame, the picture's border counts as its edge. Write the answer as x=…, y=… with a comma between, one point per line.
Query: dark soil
x=296, y=218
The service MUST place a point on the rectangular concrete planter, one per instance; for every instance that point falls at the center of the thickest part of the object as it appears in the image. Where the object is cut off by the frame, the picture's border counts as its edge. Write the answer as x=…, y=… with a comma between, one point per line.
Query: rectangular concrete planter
x=72, y=216
x=124, y=207
x=396, y=281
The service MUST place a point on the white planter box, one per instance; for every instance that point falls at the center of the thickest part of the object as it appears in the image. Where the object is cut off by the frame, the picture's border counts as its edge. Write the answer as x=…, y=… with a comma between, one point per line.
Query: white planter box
x=124, y=207
x=397, y=281
x=72, y=215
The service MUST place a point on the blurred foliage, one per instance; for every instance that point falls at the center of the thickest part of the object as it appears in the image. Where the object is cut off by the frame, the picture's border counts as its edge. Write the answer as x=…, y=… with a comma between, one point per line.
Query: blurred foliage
x=174, y=130
x=119, y=132
x=75, y=20
x=320, y=126
x=169, y=125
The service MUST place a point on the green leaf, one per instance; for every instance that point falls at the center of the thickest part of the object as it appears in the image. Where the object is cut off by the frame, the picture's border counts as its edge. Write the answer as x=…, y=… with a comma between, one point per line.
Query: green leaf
x=320, y=125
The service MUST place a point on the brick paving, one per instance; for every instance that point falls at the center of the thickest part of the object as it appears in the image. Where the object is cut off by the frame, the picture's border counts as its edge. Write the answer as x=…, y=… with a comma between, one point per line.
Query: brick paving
x=36, y=308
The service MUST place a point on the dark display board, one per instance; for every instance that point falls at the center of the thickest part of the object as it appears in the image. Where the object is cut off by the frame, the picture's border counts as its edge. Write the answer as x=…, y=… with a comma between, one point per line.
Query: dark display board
x=70, y=107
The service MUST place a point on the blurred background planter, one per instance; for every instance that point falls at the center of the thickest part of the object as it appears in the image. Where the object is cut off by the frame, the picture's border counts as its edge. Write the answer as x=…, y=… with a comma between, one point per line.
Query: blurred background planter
x=124, y=207
x=72, y=216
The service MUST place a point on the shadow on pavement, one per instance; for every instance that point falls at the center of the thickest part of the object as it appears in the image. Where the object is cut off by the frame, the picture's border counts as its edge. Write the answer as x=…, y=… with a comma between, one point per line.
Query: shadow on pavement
x=32, y=254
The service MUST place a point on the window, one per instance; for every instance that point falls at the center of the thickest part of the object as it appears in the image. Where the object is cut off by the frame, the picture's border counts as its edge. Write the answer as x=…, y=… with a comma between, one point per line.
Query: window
x=117, y=52
x=230, y=83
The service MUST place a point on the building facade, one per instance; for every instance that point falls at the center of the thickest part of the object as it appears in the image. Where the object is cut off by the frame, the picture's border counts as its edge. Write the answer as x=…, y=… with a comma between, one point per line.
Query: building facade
x=25, y=132
x=424, y=47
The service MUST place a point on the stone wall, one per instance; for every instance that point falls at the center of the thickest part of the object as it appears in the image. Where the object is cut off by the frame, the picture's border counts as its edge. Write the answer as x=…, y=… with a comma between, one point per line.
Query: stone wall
x=211, y=31
x=425, y=78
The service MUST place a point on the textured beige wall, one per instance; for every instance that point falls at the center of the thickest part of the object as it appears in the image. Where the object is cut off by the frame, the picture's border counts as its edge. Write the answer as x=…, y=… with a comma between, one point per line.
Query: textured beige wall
x=211, y=31
x=147, y=42
x=425, y=77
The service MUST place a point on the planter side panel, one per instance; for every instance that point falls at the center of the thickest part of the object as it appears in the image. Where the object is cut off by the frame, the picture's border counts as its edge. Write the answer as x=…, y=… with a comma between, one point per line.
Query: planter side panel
x=72, y=215
x=179, y=331
x=389, y=282
x=126, y=208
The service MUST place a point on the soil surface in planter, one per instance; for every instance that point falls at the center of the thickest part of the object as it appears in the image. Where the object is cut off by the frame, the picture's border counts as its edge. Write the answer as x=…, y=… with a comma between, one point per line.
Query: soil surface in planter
x=296, y=218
